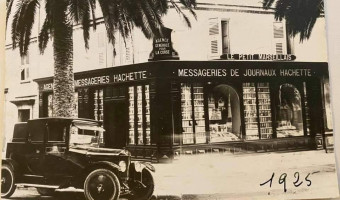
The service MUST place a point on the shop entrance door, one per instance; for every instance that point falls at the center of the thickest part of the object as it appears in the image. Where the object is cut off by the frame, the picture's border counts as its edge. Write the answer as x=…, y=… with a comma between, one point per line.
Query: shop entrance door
x=116, y=123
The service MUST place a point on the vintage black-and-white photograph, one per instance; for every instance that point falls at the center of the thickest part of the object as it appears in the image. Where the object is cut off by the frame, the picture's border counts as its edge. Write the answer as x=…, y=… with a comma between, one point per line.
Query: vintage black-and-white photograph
x=168, y=100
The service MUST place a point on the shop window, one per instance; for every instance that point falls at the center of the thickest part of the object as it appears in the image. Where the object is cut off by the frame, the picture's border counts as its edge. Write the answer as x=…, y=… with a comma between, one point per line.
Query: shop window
x=257, y=111
x=49, y=105
x=23, y=115
x=193, y=119
x=98, y=104
x=139, y=115
x=76, y=107
x=224, y=114
x=307, y=110
x=289, y=115
x=328, y=111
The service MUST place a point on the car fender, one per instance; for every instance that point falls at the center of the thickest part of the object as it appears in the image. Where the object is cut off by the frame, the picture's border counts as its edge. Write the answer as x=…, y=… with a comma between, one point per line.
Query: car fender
x=140, y=165
x=11, y=163
x=103, y=164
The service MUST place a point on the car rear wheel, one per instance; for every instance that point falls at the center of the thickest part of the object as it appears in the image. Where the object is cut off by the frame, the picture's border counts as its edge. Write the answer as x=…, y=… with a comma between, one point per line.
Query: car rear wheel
x=7, y=181
x=46, y=191
x=101, y=184
x=143, y=190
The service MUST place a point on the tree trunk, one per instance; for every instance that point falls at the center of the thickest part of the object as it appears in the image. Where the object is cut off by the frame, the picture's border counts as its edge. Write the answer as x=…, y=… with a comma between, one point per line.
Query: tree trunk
x=63, y=90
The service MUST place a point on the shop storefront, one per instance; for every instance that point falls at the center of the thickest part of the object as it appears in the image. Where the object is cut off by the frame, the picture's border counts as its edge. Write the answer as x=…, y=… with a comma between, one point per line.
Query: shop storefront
x=166, y=108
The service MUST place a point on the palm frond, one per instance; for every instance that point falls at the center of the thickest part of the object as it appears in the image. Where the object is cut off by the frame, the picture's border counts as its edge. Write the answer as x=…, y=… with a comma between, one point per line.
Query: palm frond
x=300, y=15
x=267, y=4
x=79, y=11
x=9, y=5
x=92, y=4
x=106, y=7
x=22, y=24
x=44, y=35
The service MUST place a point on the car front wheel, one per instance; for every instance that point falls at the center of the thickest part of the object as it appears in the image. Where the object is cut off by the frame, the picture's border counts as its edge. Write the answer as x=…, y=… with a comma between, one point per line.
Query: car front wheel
x=7, y=181
x=101, y=184
x=143, y=190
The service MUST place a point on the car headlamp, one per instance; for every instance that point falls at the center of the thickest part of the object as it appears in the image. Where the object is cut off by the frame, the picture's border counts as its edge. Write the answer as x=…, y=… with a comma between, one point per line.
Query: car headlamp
x=138, y=167
x=122, y=165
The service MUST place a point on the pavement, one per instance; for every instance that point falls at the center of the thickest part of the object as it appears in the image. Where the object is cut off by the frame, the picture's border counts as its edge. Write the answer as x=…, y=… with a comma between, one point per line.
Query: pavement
x=290, y=175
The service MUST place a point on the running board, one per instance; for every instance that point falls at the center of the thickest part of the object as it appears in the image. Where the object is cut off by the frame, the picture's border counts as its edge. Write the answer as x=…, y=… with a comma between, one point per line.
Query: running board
x=37, y=185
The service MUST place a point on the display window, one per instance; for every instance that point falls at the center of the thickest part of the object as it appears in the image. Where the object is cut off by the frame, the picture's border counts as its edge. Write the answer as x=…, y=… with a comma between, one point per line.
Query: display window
x=289, y=114
x=328, y=110
x=224, y=114
x=193, y=118
x=139, y=115
x=257, y=111
x=50, y=105
x=98, y=105
x=307, y=115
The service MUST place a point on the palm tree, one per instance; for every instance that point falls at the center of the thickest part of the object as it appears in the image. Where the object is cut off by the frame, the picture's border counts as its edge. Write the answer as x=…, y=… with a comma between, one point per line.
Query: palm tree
x=119, y=16
x=300, y=15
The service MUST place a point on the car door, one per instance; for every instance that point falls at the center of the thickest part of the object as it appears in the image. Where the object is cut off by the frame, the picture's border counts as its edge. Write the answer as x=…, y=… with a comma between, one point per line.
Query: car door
x=57, y=163
x=34, y=148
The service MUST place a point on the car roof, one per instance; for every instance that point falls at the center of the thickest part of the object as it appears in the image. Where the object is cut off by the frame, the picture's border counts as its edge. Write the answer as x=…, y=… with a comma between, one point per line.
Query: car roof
x=63, y=119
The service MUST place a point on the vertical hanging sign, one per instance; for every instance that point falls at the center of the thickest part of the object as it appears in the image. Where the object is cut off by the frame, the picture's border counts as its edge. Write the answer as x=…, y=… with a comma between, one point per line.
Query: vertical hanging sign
x=162, y=47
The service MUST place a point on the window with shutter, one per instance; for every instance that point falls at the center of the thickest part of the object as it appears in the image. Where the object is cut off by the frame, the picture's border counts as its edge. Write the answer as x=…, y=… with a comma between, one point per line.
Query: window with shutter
x=215, y=38
x=225, y=37
x=24, y=68
x=101, y=48
x=280, y=43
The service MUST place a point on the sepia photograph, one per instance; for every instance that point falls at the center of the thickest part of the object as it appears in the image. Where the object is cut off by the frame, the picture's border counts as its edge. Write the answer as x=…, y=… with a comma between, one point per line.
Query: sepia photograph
x=167, y=100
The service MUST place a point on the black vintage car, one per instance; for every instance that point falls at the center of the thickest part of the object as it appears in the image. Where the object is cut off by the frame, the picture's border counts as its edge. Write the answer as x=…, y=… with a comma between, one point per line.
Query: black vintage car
x=56, y=153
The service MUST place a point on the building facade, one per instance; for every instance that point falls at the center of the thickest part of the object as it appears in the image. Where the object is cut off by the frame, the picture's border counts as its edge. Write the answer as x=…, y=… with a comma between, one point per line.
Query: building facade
x=240, y=83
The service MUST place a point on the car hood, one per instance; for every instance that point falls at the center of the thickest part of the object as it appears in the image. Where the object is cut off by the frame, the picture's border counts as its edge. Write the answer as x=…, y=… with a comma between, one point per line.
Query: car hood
x=98, y=151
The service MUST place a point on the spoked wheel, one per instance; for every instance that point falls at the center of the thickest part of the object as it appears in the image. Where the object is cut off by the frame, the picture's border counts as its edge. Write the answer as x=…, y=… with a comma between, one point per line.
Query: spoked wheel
x=7, y=181
x=143, y=190
x=102, y=184
x=46, y=191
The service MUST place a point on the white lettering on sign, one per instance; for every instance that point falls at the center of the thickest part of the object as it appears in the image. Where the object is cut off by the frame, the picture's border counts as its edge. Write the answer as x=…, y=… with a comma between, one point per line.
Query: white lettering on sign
x=48, y=86
x=92, y=81
x=260, y=72
x=129, y=76
x=295, y=72
x=202, y=72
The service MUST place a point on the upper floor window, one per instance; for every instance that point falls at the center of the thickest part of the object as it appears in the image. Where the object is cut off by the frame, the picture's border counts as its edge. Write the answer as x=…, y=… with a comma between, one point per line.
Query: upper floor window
x=225, y=36
x=24, y=68
x=219, y=37
x=280, y=40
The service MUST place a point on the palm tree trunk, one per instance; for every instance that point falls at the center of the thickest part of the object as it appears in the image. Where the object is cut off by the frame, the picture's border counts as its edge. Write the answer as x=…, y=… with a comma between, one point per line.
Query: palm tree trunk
x=63, y=102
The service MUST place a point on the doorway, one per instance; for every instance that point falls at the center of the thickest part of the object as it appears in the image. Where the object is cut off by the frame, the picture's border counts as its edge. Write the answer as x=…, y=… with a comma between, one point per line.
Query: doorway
x=116, y=123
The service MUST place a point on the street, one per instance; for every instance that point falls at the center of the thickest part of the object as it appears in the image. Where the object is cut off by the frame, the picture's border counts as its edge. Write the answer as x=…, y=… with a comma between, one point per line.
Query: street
x=291, y=175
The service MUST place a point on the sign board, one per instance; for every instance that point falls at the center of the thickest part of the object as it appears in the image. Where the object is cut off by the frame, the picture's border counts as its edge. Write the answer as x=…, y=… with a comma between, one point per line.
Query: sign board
x=162, y=47
x=271, y=57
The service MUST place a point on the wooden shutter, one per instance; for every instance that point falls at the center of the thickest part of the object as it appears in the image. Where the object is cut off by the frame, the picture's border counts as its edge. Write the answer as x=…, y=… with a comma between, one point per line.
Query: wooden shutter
x=129, y=51
x=101, y=49
x=280, y=44
x=215, y=47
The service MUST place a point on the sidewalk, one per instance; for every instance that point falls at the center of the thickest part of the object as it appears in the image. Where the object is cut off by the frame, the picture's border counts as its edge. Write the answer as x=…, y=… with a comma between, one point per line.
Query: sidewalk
x=219, y=176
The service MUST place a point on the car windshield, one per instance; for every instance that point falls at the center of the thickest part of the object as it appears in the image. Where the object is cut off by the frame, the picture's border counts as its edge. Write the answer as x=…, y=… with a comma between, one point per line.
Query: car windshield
x=86, y=135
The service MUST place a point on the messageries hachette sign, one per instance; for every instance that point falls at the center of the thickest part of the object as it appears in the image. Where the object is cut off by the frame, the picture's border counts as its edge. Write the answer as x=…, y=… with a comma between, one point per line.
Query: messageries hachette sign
x=104, y=79
x=271, y=57
x=162, y=47
x=245, y=72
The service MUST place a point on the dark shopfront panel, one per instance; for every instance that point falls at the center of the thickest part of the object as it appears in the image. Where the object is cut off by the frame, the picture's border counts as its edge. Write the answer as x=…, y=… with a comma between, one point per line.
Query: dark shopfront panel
x=179, y=106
